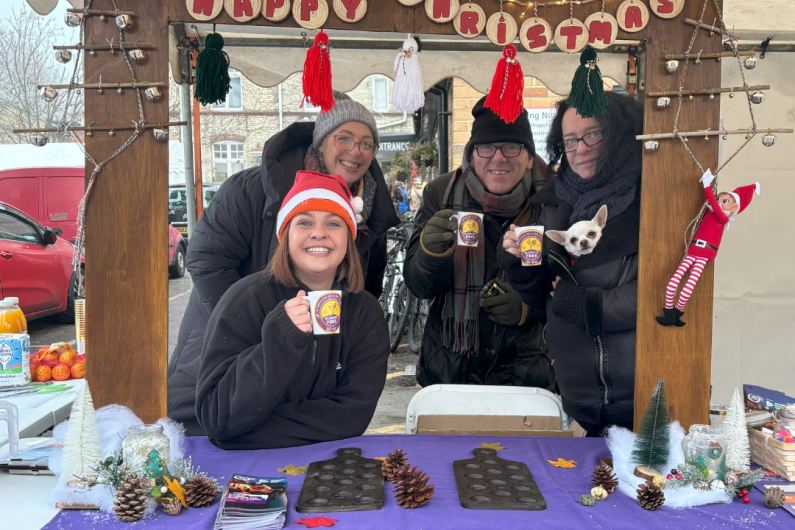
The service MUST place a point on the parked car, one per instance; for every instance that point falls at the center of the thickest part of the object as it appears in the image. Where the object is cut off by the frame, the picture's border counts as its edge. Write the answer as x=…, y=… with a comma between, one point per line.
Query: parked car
x=47, y=184
x=178, y=204
x=36, y=267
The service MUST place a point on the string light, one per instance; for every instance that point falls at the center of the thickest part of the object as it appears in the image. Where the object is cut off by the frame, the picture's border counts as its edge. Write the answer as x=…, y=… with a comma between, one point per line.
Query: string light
x=536, y=5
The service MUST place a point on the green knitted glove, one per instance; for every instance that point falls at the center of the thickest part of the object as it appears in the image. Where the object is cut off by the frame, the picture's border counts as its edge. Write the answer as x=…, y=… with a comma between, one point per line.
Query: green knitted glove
x=505, y=309
x=439, y=232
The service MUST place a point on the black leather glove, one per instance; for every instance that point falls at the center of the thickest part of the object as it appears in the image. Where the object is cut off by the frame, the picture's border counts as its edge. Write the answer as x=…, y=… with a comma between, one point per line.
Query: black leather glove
x=439, y=232
x=506, y=309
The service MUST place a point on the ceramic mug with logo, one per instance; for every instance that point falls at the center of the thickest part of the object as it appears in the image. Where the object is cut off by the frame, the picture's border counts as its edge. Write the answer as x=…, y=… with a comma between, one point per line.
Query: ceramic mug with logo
x=470, y=226
x=326, y=310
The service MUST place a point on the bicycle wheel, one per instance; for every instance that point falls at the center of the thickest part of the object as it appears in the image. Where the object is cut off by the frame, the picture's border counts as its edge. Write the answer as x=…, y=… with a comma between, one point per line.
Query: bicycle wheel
x=389, y=281
x=417, y=319
x=399, y=316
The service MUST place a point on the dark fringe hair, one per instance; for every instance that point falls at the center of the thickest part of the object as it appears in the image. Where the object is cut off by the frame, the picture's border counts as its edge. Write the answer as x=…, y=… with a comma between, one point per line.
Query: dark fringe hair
x=280, y=267
x=620, y=123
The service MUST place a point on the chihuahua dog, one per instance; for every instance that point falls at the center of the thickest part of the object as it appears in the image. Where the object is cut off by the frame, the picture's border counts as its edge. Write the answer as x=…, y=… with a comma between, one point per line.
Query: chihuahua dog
x=583, y=236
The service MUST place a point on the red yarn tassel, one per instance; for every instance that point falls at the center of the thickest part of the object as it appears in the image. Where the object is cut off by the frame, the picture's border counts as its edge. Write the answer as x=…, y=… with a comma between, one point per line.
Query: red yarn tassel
x=317, y=74
x=507, y=87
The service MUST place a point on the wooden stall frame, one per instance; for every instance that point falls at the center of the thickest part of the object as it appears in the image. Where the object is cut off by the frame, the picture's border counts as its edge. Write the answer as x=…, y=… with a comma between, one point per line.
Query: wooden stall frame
x=127, y=290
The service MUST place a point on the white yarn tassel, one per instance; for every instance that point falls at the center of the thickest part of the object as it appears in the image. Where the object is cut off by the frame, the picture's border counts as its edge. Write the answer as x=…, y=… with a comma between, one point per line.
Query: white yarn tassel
x=408, y=94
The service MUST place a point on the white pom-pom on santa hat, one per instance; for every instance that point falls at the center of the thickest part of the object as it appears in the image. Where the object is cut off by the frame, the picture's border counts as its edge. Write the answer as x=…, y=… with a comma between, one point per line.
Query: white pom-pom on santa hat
x=358, y=205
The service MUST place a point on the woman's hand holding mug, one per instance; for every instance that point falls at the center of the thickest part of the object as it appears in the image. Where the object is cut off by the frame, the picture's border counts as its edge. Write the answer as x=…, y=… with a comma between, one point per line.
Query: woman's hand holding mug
x=298, y=311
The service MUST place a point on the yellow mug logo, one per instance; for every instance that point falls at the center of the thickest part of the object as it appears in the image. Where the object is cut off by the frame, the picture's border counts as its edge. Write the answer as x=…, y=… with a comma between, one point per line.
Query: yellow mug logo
x=469, y=228
x=328, y=311
x=530, y=247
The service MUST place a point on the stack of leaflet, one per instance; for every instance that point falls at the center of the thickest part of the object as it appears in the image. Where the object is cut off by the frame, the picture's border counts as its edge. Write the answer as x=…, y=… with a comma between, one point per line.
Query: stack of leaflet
x=252, y=502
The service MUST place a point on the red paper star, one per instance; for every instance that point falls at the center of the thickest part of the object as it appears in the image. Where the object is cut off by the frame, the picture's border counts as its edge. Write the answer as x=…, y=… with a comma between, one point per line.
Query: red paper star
x=315, y=522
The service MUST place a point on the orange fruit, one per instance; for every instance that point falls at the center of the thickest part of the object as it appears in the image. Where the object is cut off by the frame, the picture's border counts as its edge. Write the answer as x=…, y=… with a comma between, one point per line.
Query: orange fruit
x=61, y=372
x=50, y=356
x=43, y=373
x=78, y=370
x=68, y=358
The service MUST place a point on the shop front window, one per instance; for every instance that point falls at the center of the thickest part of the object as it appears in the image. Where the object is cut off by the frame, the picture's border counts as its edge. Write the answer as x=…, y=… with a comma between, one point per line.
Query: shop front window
x=228, y=159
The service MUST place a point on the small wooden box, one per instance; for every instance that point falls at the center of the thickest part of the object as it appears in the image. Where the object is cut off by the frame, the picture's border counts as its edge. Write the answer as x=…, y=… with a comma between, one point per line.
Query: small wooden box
x=776, y=456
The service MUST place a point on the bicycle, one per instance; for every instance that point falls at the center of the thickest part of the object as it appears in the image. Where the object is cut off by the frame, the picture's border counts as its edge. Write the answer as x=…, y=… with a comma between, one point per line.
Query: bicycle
x=418, y=316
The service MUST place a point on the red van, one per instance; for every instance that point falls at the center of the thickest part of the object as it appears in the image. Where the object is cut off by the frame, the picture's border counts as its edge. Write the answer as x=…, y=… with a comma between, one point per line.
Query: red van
x=47, y=184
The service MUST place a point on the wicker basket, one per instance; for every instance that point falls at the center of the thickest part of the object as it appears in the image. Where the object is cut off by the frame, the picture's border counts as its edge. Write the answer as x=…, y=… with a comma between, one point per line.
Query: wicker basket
x=776, y=456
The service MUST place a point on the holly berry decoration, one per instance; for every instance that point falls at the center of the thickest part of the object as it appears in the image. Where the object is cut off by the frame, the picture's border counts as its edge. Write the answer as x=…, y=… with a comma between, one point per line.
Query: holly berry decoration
x=746, y=500
x=745, y=492
x=678, y=476
x=674, y=472
x=670, y=477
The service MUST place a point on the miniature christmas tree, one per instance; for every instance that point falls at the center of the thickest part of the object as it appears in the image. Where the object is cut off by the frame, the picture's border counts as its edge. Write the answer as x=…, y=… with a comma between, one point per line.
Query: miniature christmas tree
x=735, y=432
x=82, y=449
x=650, y=451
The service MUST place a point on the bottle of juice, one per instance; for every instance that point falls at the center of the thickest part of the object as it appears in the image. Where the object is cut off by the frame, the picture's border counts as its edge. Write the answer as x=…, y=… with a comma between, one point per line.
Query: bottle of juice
x=9, y=320
x=19, y=313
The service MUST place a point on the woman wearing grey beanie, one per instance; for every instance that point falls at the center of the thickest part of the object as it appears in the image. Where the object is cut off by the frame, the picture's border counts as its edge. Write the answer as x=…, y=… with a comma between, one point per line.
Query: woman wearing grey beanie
x=235, y=236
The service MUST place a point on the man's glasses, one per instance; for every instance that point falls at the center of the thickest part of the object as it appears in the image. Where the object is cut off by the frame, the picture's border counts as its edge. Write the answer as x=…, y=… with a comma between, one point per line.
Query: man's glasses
x=507, y=150
x=346, y=144
x=590, y=139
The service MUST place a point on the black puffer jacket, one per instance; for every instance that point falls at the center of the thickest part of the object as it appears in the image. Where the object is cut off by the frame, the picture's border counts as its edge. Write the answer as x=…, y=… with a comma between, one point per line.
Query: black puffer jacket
x=235, y=237
x=508, y=355
x=590, y=331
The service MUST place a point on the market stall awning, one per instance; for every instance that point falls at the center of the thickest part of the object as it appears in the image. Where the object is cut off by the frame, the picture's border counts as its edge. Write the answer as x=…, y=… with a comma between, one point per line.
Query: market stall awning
x=269, y=55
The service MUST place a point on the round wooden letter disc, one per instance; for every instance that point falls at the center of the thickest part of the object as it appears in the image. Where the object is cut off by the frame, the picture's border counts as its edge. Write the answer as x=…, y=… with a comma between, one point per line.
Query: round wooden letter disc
x=198, y=9
x=310, y=14
x=342, y=11
x=470, y=20
x=667, y=8
x=445, y=9
x=275, y=10
x=632, y=16
x=243, y=10
x=409, y=2
x=501, y=28
x=535, y=35
x=574, y=42
x=602, y=30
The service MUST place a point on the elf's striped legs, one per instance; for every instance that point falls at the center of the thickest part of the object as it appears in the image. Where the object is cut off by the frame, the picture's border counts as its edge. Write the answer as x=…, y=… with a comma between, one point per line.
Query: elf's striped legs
x=697, y=267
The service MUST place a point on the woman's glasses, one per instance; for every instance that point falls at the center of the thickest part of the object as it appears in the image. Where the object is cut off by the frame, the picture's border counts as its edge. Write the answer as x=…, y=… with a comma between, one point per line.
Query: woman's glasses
x=590, y=139
x=507, y=150
x=345, y=144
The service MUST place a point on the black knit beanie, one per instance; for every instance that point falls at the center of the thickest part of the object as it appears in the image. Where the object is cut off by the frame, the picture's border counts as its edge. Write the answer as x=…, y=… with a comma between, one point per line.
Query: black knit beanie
x=489, y=128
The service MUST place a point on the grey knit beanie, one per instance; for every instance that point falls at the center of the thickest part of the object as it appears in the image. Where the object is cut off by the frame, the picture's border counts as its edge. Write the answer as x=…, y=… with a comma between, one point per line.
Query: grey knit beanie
x=344, y=111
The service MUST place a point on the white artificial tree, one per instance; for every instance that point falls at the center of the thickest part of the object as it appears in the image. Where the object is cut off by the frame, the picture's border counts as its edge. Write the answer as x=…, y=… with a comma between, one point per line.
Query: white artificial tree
x=735, y=433
x=82, y=448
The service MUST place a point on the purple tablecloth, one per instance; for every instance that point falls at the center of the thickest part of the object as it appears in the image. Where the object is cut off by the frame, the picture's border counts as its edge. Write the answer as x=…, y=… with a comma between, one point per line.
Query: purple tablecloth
x=434, y=454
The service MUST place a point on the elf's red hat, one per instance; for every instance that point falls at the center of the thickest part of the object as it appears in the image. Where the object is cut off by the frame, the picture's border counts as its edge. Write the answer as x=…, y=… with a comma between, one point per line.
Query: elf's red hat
x=744, y=194
x=313, y=191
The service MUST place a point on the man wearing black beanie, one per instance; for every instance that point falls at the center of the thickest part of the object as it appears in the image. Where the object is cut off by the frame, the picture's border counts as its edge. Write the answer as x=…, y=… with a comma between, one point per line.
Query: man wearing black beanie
x=478, y=331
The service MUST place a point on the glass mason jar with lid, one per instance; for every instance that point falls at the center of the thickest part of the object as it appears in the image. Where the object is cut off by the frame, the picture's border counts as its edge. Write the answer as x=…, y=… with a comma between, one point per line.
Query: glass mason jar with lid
x=705, y=444
x=141, y=441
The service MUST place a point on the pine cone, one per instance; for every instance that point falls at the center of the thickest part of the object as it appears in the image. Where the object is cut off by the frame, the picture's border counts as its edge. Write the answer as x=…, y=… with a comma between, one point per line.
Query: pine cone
x=650, y=496
x=603, y=476
x=130, y=503
x=701, y=485
x=774, y=498
x=200, y=492
x=411, y=487
x=171, y=506
x=395, y=461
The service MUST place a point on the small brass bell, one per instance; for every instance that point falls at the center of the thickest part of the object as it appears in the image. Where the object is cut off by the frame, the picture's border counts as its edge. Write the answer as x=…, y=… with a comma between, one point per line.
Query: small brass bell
x=690, y=96
x=99, y=91
x=731, y=94
x=89, y=133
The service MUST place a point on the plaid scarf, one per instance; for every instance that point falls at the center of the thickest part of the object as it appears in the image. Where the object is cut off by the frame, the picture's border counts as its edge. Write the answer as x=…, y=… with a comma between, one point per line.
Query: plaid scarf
x=461, y=311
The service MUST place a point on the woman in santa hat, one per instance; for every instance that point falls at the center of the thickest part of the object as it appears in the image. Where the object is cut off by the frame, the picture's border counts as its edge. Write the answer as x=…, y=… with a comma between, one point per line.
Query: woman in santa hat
x=264, y=379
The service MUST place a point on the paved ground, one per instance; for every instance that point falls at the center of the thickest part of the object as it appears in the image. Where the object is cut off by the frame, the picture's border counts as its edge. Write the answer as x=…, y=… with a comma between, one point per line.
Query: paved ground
x=390, y=416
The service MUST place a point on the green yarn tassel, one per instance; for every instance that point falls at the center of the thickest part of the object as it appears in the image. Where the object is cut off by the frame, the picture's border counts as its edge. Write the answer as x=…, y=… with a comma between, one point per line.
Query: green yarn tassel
x=587, y=89
x=212, y=71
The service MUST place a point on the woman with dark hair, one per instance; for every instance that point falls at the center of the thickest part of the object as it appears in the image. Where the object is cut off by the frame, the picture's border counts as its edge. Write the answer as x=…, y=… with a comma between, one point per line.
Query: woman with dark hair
x=264, y=380
x=591, y=300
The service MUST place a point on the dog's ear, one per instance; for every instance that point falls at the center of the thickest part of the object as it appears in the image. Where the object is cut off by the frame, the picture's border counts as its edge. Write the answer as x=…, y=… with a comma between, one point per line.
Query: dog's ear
x=557, y=236
x=601, y=216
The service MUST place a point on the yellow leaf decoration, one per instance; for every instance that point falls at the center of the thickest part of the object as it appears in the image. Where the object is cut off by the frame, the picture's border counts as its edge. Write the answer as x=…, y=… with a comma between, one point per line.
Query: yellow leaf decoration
x=176, y=488
x=292, y=470
x=496, y=446
x=569, y=464
x=381, y=458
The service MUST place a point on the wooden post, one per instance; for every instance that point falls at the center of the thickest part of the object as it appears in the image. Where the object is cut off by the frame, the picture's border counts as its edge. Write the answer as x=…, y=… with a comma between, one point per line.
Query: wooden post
x=126, y=227
x=671, y=197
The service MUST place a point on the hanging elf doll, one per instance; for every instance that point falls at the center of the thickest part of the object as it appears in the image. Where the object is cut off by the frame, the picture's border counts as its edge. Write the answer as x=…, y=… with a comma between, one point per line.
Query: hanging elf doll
x=705, y=244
